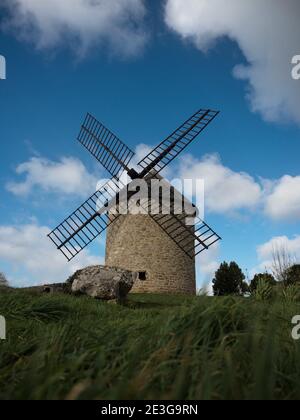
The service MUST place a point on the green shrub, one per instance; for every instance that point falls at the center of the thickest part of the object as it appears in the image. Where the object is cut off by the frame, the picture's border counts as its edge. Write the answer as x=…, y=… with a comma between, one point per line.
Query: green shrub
x=291, y=293
x=266, y=277
x=292, y=275
x=264, y=291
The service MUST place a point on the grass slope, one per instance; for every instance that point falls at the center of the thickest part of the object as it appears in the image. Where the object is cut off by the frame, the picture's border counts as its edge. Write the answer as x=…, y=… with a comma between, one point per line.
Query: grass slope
x=158, y=347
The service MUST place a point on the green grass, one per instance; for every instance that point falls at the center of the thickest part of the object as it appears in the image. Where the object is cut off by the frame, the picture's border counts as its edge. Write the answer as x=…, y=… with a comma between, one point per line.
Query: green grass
x=157, y=347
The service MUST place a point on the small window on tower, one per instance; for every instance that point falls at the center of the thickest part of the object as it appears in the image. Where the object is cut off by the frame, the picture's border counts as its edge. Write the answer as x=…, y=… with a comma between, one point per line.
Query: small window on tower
x=142, y=276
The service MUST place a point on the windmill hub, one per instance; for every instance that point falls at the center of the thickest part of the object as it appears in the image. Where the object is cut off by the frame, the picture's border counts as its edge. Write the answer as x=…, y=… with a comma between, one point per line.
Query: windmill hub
x=133, y=174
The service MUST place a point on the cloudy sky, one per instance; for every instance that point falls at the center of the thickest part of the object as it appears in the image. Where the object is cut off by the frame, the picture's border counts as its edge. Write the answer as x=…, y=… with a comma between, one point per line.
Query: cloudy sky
x=142, y=67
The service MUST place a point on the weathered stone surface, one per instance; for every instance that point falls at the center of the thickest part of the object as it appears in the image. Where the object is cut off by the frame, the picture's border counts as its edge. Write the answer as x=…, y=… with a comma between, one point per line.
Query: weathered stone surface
x=102, y=282
x=137, y=243
x=57, y=288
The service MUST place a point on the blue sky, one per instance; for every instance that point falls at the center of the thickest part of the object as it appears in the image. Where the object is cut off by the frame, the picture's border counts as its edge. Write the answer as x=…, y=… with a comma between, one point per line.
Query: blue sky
x=142, y=82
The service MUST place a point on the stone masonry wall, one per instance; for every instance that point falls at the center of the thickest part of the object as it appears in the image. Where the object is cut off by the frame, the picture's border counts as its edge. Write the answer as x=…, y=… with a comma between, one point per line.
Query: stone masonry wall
x=137, y=243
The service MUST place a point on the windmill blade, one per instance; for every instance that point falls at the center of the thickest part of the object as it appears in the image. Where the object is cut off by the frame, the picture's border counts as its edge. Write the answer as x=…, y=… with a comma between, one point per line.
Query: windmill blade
x=86, y=223
x=107, y=148
x=191, y=239
x=170, y=148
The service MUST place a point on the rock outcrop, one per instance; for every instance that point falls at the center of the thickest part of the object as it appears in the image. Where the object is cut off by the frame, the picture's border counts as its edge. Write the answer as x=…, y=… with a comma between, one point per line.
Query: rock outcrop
x=105, y=283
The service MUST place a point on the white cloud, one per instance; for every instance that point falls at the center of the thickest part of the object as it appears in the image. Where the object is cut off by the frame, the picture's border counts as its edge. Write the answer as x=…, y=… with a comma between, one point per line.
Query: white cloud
x=265, y=252
x=268, y=33
x=229, y=192
x=81, y=24
x=141, y=151
x=67, y=176
x=225, y=190
x=32, y=258
x=283, y=201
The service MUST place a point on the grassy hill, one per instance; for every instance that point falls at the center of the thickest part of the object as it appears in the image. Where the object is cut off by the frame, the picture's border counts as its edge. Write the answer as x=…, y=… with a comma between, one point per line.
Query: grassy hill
x=157, y=347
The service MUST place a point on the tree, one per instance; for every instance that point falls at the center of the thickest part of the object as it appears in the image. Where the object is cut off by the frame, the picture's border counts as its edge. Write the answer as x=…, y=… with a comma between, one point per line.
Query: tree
x=262, y=277
x=245, y=288
x=229, y=280
x=3, y=280
x=282, y=261
x=292, y=275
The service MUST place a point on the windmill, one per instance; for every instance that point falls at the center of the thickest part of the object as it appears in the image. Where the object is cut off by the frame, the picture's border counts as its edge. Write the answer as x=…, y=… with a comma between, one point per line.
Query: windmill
x=138, y=242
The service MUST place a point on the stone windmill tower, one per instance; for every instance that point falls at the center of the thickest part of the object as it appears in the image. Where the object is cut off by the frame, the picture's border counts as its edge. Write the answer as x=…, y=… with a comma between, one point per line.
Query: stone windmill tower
x=159, y=245
x=138, y=243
